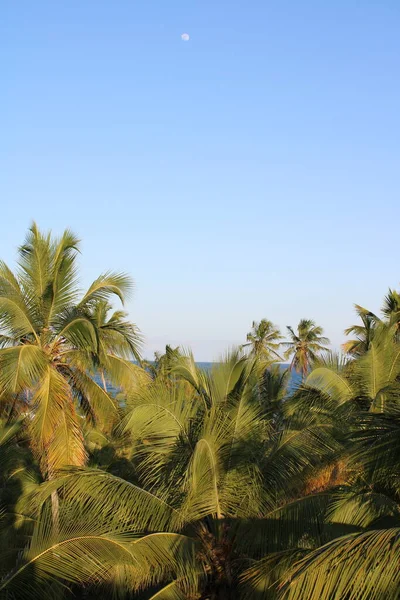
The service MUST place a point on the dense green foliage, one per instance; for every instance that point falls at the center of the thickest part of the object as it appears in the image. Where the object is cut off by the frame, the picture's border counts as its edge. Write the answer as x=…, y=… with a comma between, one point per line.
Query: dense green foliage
x=190, y=484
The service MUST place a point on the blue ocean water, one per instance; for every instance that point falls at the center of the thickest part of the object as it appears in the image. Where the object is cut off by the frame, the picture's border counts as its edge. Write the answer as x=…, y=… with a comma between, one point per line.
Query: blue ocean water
x=294, y=381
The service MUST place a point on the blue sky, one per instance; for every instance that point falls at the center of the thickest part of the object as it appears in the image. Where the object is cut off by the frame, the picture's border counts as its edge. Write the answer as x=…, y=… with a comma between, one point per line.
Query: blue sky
x=250, y=172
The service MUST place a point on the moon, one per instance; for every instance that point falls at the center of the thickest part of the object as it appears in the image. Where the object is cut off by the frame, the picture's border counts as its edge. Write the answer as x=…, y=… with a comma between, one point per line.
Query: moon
x=185, y=37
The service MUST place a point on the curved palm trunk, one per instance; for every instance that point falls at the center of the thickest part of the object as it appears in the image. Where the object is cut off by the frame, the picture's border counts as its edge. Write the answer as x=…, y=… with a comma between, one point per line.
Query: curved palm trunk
x=304, y=372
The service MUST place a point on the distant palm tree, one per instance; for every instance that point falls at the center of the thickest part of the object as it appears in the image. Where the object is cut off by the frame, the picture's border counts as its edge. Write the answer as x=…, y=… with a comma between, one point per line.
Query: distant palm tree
x=163, y=363
x=264, y=341
x=391, y=308
x=364, y=333
x=305, y=345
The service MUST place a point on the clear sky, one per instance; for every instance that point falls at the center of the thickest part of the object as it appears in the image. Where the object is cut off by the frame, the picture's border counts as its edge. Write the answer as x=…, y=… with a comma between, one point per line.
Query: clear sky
x=252, y=171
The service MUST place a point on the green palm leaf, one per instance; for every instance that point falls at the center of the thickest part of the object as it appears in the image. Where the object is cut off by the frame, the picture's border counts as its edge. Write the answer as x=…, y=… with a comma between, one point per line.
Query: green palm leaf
x=360, y=566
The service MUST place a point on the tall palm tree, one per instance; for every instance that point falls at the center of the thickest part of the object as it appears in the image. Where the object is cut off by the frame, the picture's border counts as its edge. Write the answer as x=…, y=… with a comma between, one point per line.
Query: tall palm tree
x=53, y=342
x=305, y=345
x=264, y=341
x=364, y=333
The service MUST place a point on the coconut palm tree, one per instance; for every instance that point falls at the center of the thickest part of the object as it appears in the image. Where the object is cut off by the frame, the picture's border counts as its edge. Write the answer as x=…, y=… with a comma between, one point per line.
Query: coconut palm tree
x=363, y=563
x=391, y=309
x=370, y=323
x=364, y=333
x=217, y=491
x=305, y=345
x=53, y=342
x=163, y=363
x=201, y=485
x=264, y=341
x=365, y=393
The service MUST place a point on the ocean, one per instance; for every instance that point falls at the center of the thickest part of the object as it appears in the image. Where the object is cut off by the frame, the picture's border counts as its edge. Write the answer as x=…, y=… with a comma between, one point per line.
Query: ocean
x=294, y=381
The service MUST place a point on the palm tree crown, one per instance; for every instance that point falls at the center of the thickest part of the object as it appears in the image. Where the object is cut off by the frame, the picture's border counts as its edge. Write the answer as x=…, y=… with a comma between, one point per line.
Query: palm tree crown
x=305, y=345
x=52, y=341
x=391, y=308
x=264, y=341
x=364, y=333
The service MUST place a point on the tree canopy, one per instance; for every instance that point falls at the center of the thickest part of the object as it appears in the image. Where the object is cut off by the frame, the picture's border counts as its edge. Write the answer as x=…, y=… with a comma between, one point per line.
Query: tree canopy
x=123, y=478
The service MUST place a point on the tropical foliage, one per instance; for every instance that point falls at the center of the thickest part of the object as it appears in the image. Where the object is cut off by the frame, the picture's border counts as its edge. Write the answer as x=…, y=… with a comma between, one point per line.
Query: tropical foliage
x=159, y=480
x=53, y=339
x=305, y=345
x=264, y=341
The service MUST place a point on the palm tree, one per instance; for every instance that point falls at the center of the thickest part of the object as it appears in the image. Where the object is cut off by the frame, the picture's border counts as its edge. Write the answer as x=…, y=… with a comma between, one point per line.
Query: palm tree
x=305, y=345
x=53, y=342
x=163, y=363
x=391, y=309
x=364, y=333
x=201, y=485
x=217, y=490
x=362, y=563
x=370, y=323
x=264, y=341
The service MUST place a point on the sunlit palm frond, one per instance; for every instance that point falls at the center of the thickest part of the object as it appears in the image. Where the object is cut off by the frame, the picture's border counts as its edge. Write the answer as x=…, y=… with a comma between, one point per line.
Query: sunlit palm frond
x=331, y=380
x=21, y=367
x=115, y=500
x=184, y=366
x=15, y=318
x=117, y=335
x=56, y=433
x=124, y=374
x=102, y=405
x=362, y=566
x=107, y=285
x=78, y=330
x=35, y=257
x=203, y=481
x=62, y=290
x=378, y=369
x=229, y=376
x=87, y=548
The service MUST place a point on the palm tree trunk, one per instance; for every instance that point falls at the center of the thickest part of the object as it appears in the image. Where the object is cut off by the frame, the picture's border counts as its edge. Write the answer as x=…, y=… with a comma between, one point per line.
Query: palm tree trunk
x=103, y=380
x=55, y=511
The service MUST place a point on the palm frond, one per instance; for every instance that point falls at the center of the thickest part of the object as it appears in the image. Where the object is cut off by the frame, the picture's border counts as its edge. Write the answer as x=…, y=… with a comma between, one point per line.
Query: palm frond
x=362, y=566
x=21, y=367
x=56, y=434
x=107, y=285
